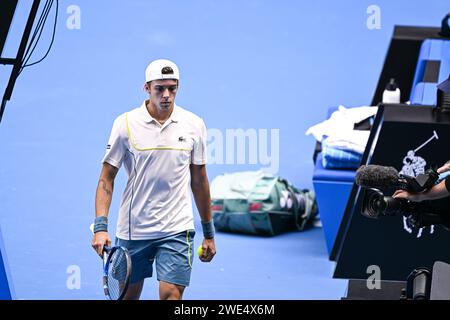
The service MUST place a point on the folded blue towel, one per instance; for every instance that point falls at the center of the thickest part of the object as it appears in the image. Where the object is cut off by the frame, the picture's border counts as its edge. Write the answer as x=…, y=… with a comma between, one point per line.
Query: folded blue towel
x=337, y=158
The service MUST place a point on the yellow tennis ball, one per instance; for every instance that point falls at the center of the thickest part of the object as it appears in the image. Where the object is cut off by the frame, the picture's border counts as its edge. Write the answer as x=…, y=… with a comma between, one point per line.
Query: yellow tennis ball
x=199, y=250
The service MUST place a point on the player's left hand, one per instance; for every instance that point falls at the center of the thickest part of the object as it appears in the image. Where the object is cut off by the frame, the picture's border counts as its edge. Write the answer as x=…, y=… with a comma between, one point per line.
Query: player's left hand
x=208, y=250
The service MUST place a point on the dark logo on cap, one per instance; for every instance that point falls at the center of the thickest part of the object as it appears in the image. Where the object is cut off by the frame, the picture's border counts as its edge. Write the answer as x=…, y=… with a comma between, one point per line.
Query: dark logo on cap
x=108, y=147
x=167, y=70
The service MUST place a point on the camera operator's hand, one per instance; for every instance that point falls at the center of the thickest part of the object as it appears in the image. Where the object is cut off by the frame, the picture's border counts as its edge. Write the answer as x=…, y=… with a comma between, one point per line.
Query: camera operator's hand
x=403, y=194
x=438, y=191
x=444, y=168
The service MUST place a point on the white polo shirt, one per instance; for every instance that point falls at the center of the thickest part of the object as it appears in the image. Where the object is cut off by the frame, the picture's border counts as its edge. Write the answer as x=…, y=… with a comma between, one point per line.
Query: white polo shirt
x=156, y=201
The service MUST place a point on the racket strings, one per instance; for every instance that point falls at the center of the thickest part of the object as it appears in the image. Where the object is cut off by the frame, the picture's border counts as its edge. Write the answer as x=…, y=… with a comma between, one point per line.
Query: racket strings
x=117, y=273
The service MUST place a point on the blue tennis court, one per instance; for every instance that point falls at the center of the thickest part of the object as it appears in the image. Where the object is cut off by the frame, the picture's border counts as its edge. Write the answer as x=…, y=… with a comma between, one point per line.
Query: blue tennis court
x=269, y=67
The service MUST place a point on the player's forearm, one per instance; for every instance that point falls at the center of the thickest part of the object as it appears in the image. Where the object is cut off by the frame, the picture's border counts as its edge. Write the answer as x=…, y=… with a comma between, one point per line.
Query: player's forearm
x=103, y=196
x=202, y=199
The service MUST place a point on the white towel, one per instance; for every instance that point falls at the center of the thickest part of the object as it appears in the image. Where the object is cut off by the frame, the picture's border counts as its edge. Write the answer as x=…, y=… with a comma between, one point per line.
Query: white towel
x=342, y=120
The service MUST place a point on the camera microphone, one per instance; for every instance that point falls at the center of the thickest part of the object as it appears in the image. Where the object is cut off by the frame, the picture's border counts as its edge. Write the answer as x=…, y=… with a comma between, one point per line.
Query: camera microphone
x=372, y=176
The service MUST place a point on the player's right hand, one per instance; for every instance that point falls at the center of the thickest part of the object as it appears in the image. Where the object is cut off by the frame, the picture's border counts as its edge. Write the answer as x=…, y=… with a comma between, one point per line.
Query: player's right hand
x=100, y=239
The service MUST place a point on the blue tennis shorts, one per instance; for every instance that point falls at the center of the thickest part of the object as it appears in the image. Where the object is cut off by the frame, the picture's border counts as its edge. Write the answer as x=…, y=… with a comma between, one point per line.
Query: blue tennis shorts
x=173, y=256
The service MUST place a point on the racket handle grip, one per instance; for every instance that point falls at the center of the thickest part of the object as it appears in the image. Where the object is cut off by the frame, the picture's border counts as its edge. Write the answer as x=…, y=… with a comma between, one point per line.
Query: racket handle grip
x=106, y=250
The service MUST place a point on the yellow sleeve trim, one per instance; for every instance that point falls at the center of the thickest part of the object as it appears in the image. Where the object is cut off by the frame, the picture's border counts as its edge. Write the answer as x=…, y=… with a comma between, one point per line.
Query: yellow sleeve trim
x=147, y=149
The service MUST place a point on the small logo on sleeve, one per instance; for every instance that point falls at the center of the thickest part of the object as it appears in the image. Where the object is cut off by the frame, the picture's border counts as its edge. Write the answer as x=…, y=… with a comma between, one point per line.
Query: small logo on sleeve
x=181, y=139
x=108, y=147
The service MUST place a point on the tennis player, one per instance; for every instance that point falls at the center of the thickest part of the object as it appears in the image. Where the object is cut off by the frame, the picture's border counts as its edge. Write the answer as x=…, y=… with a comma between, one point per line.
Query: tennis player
x=163, y=149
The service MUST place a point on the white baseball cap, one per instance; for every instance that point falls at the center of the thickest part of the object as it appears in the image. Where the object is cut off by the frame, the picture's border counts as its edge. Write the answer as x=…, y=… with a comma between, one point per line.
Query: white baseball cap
x=161, y=69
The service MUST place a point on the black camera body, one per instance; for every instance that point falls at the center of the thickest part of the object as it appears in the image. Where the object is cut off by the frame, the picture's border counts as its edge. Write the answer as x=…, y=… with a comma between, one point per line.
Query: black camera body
x=376, y=204
x=421, y=182
x=418, y=214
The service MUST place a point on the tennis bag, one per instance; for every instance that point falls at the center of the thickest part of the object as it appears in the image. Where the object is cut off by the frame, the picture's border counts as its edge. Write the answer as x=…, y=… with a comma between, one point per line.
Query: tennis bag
x=255, y=202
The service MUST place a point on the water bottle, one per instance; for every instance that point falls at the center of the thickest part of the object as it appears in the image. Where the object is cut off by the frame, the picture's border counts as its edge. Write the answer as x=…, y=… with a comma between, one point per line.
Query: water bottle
x=392, y=93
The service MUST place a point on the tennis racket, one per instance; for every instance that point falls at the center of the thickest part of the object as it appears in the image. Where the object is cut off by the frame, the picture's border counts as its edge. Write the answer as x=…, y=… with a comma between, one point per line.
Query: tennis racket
x=116, y=272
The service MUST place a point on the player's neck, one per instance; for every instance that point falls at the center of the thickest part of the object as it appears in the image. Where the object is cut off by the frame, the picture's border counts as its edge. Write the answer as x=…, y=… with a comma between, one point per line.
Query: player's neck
x=159, y=115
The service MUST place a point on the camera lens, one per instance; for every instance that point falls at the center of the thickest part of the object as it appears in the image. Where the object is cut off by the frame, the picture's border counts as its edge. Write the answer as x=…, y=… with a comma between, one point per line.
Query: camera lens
x=374, y=204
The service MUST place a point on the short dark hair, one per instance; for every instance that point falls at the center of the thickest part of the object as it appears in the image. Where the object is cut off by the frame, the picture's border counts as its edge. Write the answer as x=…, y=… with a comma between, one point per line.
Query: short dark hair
x=167, y=70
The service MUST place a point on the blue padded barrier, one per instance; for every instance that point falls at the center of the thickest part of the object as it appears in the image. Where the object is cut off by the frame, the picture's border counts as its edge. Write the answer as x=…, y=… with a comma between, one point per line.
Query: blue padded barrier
x=433, y=67
x=332, y=188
